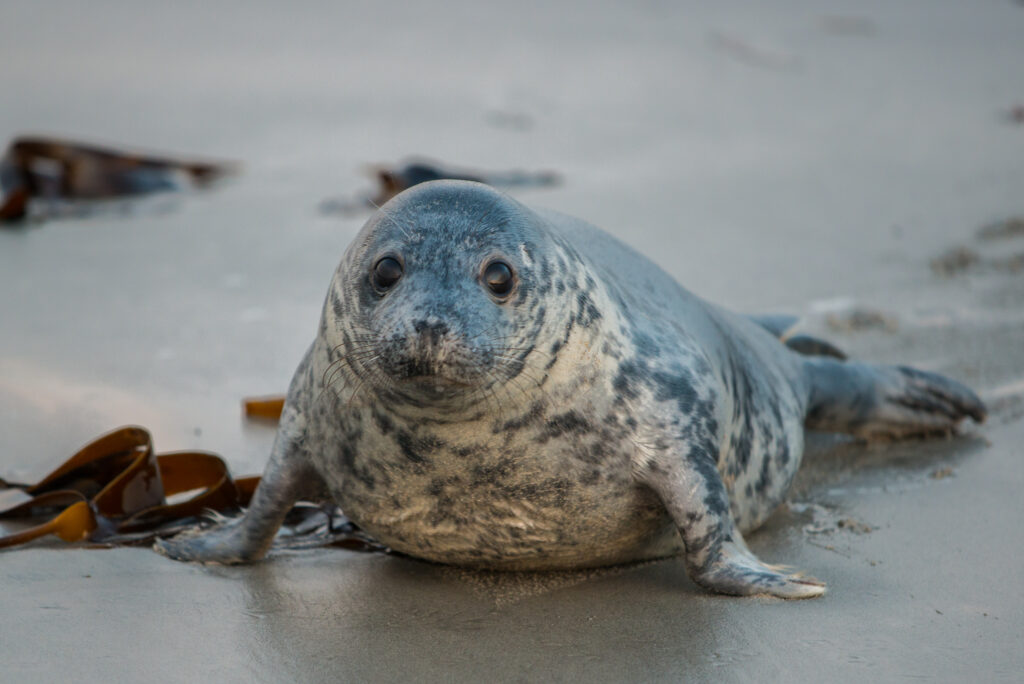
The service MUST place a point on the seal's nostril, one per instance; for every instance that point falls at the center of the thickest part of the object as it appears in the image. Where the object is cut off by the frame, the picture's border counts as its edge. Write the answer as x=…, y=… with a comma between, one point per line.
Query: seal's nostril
x=433, y=331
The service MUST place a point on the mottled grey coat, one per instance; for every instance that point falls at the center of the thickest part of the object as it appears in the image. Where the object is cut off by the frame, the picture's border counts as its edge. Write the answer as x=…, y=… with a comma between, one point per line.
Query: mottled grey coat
x=598, y=413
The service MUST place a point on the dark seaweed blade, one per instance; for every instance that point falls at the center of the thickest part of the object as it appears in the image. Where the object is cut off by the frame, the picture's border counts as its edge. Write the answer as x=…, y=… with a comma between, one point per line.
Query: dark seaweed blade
x=50, y=171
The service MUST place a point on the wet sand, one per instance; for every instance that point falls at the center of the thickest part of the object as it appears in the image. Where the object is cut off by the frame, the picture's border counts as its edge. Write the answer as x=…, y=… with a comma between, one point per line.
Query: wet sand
x=809, y=158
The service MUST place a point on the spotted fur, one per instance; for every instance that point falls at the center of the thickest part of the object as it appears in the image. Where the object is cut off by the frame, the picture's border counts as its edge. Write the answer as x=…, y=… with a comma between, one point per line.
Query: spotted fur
x=600, y=414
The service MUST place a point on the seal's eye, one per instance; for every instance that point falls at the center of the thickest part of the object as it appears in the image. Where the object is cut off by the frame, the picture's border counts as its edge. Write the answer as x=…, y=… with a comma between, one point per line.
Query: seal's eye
x=386, y=273
x=499, y=278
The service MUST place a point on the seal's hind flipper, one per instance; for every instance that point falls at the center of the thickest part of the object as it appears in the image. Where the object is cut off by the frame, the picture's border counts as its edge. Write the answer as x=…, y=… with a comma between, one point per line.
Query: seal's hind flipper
x=780, y=325
x=885, y=401
x=783, y=326
x=806, y=345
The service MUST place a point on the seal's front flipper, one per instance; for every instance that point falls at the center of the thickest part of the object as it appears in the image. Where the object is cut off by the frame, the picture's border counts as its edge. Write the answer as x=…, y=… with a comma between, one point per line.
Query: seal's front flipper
x=885, y=401
x=229, y=544
x=287, y=479
x=717, y=558
x=734, y=570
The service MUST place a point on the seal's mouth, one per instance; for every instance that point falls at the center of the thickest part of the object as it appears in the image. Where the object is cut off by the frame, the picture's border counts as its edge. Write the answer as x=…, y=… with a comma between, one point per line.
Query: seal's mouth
x=429, y=376
x=433, y=363
x=437, y=382
x=435, y=374
x=441, y=385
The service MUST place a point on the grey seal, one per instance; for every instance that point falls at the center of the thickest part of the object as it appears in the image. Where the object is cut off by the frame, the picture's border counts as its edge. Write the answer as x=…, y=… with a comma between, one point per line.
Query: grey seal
x=508, y=388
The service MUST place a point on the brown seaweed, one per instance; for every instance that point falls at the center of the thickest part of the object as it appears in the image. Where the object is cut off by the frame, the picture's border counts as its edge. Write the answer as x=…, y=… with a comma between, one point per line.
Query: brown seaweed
x=393, y=179
x=51, y=170
x=264, y=408
x=117, y=491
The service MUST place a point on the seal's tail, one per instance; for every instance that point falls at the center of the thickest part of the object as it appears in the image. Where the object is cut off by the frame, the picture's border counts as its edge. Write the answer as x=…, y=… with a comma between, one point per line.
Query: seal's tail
x=885, y=401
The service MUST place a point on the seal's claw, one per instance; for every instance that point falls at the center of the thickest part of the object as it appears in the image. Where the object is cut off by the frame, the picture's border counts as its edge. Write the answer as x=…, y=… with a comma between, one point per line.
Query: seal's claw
x=926, y=391
x=221, y=545
x=738, y=572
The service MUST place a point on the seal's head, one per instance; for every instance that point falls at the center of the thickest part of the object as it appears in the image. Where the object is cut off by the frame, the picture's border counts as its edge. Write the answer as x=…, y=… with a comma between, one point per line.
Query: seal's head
x=440, y=297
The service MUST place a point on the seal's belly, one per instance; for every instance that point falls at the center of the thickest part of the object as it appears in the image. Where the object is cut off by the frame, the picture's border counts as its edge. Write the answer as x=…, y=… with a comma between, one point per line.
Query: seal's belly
x=501, y=516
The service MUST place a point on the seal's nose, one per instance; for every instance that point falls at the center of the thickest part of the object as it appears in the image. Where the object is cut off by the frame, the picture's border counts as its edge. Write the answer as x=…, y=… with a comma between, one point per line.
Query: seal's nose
x=430, y=331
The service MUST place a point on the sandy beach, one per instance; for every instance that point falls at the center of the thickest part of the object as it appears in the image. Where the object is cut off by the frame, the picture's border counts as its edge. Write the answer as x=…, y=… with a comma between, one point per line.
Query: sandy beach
x=812, y=158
